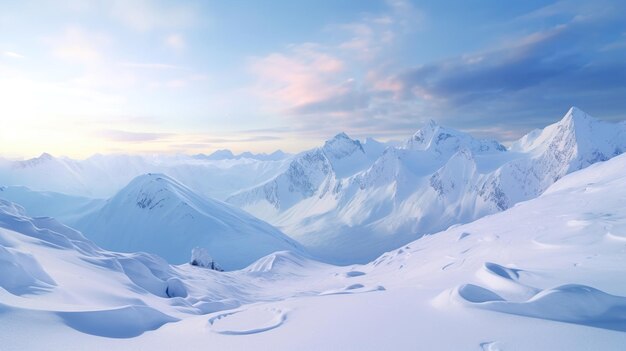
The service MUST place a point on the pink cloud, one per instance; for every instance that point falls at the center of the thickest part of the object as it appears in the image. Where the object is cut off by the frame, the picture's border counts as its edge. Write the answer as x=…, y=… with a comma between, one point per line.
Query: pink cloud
x=302, y=75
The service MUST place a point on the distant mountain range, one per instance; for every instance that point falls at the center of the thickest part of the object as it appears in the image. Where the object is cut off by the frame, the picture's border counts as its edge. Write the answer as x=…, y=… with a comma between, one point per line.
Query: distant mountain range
x=225, y=154
x=101, y=176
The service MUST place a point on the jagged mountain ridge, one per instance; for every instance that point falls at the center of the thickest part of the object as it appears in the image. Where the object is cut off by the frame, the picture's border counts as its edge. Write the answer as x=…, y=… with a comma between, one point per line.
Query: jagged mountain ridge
x=437, y=178
x=309, y=172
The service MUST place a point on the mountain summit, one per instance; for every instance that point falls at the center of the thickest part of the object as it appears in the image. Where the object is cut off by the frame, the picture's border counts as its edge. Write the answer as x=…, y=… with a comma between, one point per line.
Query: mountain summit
x=157, y=214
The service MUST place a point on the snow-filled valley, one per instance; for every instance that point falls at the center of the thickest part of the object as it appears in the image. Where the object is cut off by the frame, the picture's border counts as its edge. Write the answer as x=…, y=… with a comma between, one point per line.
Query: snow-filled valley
x=440, y=242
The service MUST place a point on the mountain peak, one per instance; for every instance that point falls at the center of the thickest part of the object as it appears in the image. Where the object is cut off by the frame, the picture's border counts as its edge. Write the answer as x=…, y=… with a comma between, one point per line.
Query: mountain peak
x=45, y=156
x=221, y=154
x=432, y=136
x=151, y=190
x=340, y=136
x=35, y=161
x=146, y=177
x=425, y=133
x=576, y=116
x=431, y=123
x=157, y=214
x=342, y=145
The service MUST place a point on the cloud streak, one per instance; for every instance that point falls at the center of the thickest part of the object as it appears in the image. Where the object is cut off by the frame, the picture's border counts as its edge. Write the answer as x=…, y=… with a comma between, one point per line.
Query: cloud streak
x=160, y=66
x=126, y=136
x=12, y=54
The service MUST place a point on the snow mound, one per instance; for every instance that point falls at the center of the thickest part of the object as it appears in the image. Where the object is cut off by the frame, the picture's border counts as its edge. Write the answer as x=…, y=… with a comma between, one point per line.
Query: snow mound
x=283, y=262
x=505, y=280
x=21, y=273
x=571, y=303
x=124, y=322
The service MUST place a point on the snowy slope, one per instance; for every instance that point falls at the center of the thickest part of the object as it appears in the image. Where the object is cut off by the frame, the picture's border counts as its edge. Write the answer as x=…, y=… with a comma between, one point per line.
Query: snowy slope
x=157, y=214
x=437, y=178
x=103, y=175
x=546, y=274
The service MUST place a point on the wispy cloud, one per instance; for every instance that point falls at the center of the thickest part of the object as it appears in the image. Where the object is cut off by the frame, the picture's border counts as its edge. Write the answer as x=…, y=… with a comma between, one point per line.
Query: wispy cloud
x=175, y=41
x=303, y=74
x=12, y=54
x=368, y=37
x=324, y=87
x=144, y=15
x=126, y=136
x=148, y=65
x=242, y=140
x=76, y=44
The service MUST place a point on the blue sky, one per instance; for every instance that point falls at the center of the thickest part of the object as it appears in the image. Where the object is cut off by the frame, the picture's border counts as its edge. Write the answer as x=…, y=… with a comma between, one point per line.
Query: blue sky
x=80, y=77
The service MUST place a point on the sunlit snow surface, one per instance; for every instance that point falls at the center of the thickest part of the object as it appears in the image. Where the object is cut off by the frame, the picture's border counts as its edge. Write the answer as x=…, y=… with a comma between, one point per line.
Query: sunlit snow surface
x=547, y=274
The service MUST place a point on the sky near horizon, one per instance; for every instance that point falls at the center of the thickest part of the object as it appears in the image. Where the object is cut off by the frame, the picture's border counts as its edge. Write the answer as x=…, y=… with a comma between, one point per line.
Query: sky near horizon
x=112, y=76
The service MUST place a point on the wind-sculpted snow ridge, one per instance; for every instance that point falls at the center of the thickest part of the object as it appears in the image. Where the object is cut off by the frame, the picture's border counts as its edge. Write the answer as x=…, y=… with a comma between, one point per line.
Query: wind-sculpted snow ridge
x=437, y=178
x=572, y=303
x=157, y=214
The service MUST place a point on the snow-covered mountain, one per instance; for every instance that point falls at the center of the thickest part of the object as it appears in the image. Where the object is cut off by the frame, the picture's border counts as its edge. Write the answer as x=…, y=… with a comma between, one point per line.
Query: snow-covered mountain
x=437, y=178
x=546, y=274
x=157, y=214
x=226, y=154
x=307, y=174
x=101, y=176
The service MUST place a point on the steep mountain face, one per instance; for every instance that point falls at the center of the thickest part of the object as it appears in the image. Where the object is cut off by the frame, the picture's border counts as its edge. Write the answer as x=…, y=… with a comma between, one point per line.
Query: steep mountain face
x=575, y=142
x=308, y=174
x=157, y=214
x=437, y=178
